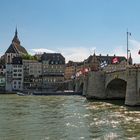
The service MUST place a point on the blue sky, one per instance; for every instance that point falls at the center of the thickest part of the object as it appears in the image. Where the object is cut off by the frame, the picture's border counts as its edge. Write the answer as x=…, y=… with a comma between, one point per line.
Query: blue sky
x=74, y=28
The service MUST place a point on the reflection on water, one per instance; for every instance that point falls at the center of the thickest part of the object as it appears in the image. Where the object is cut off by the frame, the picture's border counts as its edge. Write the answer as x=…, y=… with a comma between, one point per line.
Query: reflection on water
x=66, y=118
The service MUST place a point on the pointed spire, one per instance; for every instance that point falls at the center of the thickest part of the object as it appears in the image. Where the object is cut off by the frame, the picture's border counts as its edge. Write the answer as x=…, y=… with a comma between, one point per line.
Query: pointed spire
x=15, y=39
x=16, y=32
x=130, y=55
x=130, y=60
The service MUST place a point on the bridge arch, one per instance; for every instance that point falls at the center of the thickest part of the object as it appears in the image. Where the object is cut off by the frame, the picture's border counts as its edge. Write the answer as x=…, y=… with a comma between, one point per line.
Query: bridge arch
x=115, y=75
x=116, y=88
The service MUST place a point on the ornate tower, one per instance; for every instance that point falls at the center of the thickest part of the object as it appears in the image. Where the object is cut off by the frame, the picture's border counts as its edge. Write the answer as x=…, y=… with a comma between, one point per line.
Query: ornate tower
x=94, y=64
x=130, y=61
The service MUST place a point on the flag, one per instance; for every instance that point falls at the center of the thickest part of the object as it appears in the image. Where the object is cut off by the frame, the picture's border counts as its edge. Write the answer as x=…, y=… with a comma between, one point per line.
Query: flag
x=73, y=77
x=115, y=60
x=86, y=70
x=103, y=64
x=129, y=33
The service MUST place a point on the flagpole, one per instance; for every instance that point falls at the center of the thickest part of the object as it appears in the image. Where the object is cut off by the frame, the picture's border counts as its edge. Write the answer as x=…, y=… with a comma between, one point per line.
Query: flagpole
x=128, y=33
x=127, y=46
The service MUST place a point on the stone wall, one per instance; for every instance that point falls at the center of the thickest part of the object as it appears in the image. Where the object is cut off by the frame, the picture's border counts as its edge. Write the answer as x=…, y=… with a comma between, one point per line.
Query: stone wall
x=96, y=85
x=133, y=87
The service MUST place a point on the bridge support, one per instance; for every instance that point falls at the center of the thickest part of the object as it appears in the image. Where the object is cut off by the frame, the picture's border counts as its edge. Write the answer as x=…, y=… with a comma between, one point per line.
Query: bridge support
x=133, y=87
x=96, y=85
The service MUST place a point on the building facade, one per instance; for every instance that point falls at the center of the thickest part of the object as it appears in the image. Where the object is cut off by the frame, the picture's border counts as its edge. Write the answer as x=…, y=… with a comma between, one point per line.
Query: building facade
x=14, y=75
x=17, y=81
x=32, y=74
x=2, y=77
x=53, y=68
x=93, y=63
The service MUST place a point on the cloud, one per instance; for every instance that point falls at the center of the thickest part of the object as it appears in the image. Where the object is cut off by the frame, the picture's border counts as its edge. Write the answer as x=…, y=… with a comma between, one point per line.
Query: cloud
x=81, y=53
x=71, y=53
x=77, y=53
x=134, y=47
x=41, y=50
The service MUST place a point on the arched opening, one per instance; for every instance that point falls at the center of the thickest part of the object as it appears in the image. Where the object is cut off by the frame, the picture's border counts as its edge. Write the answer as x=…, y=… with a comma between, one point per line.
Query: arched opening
x=116, y=89
x=81, y=87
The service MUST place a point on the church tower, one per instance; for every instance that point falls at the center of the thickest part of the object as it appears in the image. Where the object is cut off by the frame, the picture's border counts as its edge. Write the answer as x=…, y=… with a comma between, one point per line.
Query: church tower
x=14, y=50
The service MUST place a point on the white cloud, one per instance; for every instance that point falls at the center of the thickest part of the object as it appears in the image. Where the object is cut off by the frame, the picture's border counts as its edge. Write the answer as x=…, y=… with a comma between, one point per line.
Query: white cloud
x=41, y=50
x=81, y=53
x=134, y=47
x=71, y=53
x=77, y=53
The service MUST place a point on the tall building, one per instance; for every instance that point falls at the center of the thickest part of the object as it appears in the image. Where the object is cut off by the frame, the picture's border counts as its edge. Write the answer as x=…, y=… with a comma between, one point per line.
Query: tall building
x=17, y=81
x=53, y=68
x=32, y=74
x=14, y=75
x=14, y=50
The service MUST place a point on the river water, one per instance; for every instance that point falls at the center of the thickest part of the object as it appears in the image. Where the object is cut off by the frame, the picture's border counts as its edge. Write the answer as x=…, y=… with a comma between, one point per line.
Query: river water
x=66, y=118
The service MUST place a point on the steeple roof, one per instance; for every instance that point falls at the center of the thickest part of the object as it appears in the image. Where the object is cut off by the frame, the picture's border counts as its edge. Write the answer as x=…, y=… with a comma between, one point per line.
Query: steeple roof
x=16, y=39
x=15, y=46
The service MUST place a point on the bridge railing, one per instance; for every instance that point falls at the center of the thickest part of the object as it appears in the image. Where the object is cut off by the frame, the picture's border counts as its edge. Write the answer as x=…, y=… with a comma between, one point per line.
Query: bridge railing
x=115, y=70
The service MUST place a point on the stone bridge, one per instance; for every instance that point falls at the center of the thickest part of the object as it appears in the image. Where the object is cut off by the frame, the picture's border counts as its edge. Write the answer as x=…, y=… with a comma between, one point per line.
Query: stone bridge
x=120, y=84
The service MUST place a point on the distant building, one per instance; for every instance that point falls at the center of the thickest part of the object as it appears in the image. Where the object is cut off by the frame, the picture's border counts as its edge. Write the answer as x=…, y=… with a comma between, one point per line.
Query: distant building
x=108, y=59
x=53, y=68
x=14, y=75
x=17, y=73
x=9, y=77
x=70, y=70
x=93, y=63
x=14, y=50
x=2, y=77
x=32, y=74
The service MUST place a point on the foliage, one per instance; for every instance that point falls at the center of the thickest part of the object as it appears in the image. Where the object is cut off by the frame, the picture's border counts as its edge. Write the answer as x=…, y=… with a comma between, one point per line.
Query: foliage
x=29, y=57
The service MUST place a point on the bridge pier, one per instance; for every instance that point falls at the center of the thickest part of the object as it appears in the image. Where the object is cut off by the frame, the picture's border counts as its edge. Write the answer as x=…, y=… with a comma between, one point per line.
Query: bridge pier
x=133, y=87
x=96, y=85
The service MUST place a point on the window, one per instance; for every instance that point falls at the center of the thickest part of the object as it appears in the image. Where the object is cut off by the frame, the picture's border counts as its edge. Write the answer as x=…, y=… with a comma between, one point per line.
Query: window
x=8, y=59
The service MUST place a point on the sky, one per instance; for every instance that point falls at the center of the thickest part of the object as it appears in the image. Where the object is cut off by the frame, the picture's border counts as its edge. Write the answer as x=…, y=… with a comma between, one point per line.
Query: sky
x=75, y=28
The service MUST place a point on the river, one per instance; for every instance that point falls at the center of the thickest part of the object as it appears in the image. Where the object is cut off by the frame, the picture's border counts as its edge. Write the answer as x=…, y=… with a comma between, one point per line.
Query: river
x=66, y=118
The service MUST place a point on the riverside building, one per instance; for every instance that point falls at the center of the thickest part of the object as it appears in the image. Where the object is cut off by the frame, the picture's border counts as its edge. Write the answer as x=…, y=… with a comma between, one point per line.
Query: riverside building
x=53, y=68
